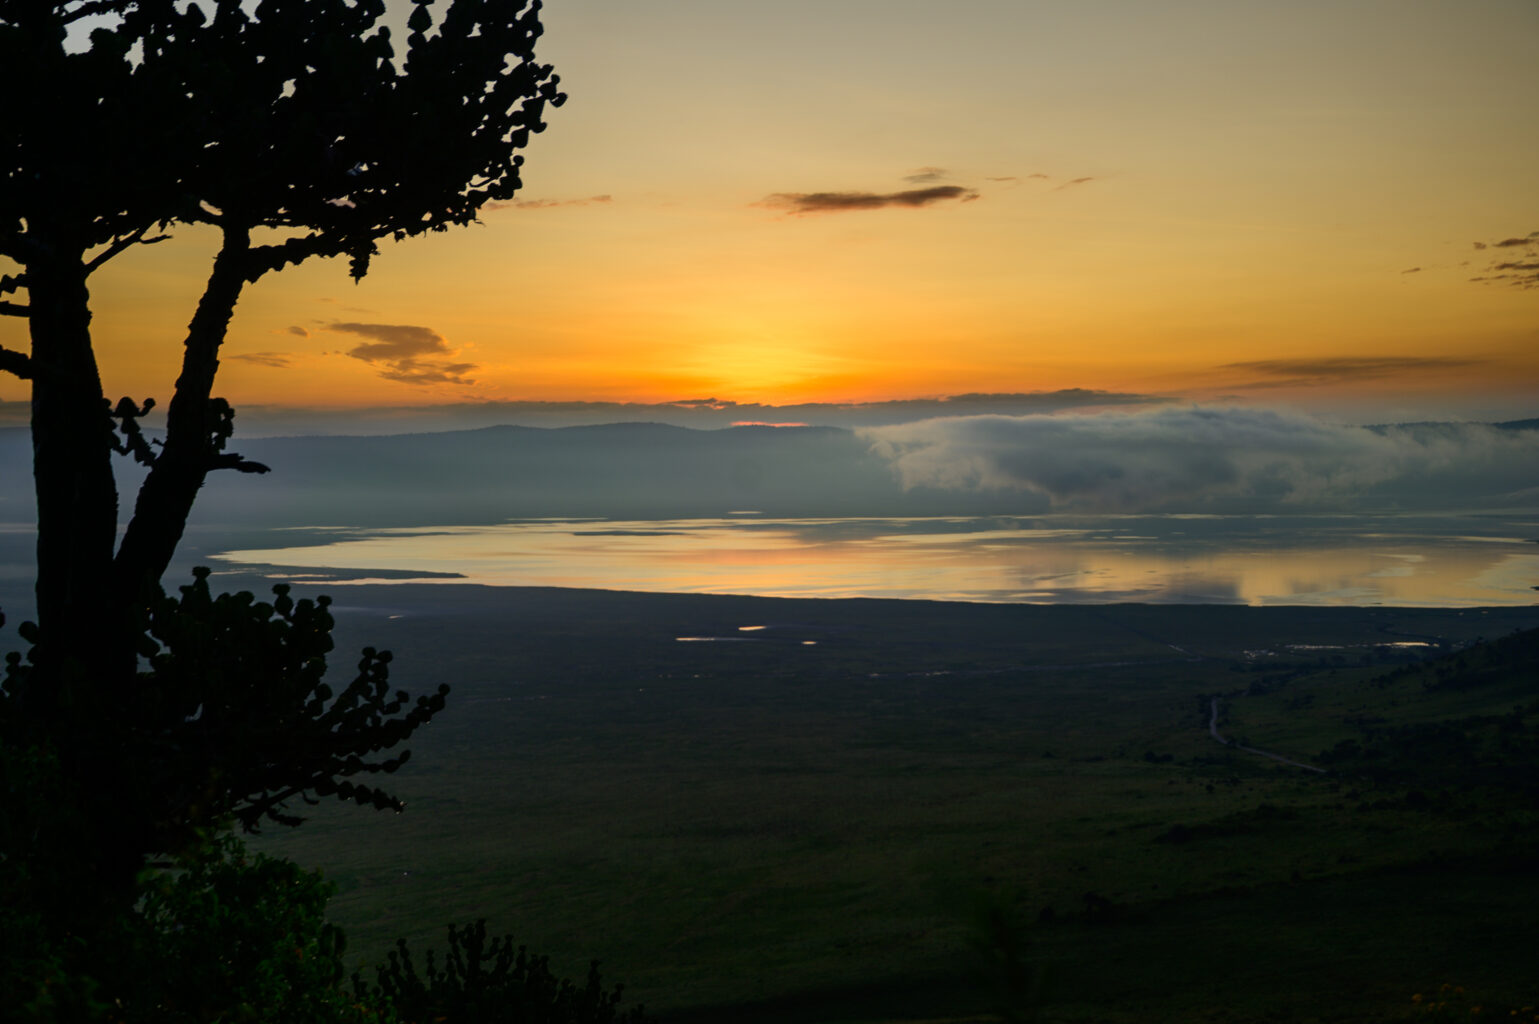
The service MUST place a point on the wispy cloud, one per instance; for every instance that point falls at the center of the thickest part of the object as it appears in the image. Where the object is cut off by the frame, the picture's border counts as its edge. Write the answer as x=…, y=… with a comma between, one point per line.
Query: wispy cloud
x=1522, y=272
x=278, y=360
x=838, y=202
x=926, y=175
x=1345, y=368
x=1210, y=459
x=407, y=353
x=1072, y=182
x=548, y=204
x=297, y=331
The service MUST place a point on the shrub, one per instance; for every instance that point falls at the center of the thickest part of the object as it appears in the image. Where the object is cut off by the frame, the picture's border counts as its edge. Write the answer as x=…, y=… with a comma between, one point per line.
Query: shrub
x=485, y=982
x=231, y=937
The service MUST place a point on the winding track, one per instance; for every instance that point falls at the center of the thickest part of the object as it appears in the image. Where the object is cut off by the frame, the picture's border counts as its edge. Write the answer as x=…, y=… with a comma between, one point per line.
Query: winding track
x=1213, y=731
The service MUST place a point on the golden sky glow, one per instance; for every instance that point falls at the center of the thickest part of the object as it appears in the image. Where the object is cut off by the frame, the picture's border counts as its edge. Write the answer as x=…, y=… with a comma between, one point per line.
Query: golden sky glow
x=1216, y=200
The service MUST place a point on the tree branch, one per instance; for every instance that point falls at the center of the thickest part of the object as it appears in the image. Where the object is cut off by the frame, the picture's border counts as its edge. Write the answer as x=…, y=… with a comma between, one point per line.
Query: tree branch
x=92, y=7
x=197, y=426
x=15, y=309
x=265, y=258
x=18, y=363
x=12, y=282
x=230, y=460
x=120, y=244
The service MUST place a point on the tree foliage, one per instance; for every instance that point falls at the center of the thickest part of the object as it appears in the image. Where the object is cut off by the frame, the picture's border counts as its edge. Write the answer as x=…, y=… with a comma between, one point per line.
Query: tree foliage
x=227, y=936
x=295, y=129
x=234, y=937
x=232, y=717
x=490, y=982
x=294, y=115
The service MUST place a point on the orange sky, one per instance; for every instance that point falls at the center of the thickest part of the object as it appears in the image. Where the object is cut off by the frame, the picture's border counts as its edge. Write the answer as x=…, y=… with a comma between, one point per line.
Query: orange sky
x=1216, y=200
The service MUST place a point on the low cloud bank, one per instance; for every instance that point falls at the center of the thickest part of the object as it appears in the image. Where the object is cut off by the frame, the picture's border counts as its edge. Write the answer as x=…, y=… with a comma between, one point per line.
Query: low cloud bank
x=1216, y=460
x=696, y=413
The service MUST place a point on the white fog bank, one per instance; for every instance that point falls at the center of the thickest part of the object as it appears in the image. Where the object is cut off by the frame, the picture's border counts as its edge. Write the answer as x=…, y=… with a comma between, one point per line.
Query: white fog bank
x=1196, y=459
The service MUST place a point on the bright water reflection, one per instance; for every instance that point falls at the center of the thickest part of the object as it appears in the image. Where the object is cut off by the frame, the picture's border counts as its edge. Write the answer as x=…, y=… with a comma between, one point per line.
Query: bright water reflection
x=1358, y=560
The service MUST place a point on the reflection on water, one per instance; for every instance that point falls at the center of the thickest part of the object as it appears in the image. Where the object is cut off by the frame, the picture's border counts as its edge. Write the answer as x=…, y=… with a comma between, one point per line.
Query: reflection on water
x=1337, y=560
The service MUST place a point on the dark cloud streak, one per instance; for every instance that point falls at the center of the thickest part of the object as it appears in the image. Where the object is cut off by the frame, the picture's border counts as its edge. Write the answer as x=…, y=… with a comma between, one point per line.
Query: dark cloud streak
x=276, y=360
x=1520, y=273
x=839, y=202
x=548, y=204
x=926, y=175
x=1305, y=371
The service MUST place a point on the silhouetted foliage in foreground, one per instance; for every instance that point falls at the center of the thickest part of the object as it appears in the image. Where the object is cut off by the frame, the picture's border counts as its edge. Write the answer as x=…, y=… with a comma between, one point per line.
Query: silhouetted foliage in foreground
x=140, y=726
x=490, y=982
x=230, y=936
x=223, y=937
x=292, y=131
x=229, y=720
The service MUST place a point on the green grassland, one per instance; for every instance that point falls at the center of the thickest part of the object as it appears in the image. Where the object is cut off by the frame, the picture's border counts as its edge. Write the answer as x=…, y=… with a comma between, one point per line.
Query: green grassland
x=883, y=811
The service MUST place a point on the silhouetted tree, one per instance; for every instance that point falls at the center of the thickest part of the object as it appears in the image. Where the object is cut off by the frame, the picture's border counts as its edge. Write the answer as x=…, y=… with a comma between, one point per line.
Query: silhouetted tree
x=295, y=129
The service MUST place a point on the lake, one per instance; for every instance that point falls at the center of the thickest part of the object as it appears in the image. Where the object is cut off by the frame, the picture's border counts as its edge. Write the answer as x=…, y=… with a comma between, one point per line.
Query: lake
x=1403, y=560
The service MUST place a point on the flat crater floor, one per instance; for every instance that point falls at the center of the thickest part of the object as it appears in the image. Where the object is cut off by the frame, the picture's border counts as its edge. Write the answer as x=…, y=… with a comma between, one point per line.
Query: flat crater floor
x=864, y=810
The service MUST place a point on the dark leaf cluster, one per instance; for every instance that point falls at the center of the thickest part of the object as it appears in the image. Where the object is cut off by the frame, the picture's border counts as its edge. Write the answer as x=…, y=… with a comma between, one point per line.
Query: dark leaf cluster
x=239, y=684
x=233, y=937
x=299, y=116
x=232, y=718
x=220, y=417
x=226, y=936
x=486, y=981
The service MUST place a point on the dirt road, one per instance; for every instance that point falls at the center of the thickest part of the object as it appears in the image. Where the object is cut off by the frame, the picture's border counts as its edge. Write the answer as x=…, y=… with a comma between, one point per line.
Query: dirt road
x=1213, y=731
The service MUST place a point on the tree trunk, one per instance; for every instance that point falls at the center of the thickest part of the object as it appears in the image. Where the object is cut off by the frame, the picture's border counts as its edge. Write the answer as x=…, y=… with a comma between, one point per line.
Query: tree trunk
x=78, y=695
x=84, y=640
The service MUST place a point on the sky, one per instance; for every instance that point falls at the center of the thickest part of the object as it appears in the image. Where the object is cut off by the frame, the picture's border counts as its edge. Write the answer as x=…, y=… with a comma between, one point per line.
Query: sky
x=1323, y=207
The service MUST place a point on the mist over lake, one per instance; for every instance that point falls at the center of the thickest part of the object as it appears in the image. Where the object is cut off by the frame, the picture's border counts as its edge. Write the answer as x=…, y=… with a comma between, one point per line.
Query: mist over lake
x=1168, y=506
